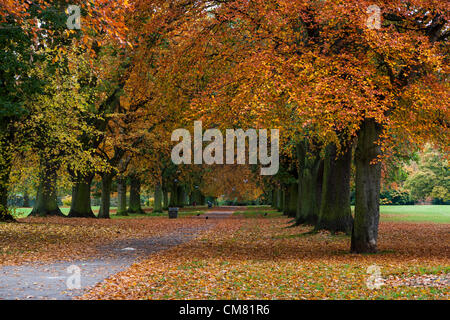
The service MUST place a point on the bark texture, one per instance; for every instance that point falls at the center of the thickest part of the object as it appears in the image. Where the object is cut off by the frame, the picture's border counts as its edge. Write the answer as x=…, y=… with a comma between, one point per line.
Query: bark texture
x=135, y=195
x=5, y=169
x=165, y=199
x=157, y=205
x=292, y=199
x=309, y=187
x=367, y=183
x=46, y=203
x=81, y=198
x=335, y=213
x=279, y=202
x=105, y=204
x=122, y=196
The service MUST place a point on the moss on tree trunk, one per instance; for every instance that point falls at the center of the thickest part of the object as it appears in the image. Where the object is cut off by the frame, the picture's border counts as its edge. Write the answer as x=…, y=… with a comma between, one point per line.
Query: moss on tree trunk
x=157, y=204
x=165, y=198
x=367, y=184
x=279, y=202
x=173, y=202
x=135, y=195
x=5, y=169
x=81, y=198
x=310, y=186
x=105, y=204
x=26, y=199
x=335, y=213
x=46, y=203
x=181, y=197
x=291, y=204
x=122, y=196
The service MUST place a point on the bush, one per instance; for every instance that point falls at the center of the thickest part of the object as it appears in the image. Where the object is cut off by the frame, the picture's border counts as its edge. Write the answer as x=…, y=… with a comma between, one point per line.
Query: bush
x=395, y=197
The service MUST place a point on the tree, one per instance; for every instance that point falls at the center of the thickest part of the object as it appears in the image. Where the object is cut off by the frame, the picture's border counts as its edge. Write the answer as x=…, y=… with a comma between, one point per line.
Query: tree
x=319, y=61
x=432, y=177
x=21, y=24
x=335, y=212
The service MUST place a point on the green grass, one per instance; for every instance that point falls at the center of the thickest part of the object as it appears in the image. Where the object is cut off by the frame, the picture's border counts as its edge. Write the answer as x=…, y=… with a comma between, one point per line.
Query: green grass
x=258, y=212
x=418, y=213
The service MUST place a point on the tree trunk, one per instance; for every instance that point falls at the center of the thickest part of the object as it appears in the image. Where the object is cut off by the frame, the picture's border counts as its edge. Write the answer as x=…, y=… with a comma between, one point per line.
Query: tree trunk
x=135, y=195
x=309, y=188
x=283, y=199
x=196, y=197
x=181, y=197
x=105, y=204
x=203, y=199
x=81, y=198
x=157, y=204
x=291, y=206
x=335, y=213
x=165, y=199
x=5, y=169
x=26, y=199
x=173, y=202
x=279, y=203
x=367, y=183
x=122, y=197
x=286, y=199
x=46, y=197
x=274, y=199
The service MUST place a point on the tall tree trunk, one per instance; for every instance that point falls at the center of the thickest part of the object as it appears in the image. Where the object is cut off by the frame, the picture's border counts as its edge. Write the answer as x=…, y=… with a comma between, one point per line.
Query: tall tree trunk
x=274, y=198
x=291, y=207
x=173, y=202
x=81, y=198
x=165, y=199
x=286, y=199
x=105, y=204
x=26, y=199
x=196, y=196
x=335, y=213
x=181, y=197
x=122, y=196
x=203, y=199
x=157, y=204
x=135, y=195
x=310, y=186
x=367, y=183
x=279, y=199
x=46, y=203
x=5, y=169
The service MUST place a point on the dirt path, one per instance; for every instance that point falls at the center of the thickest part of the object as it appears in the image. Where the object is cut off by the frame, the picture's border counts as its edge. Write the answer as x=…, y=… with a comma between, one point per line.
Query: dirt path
x=49, y=281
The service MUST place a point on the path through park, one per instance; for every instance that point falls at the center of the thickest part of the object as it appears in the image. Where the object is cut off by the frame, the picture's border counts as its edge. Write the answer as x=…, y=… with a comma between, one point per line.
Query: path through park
x=49, y=281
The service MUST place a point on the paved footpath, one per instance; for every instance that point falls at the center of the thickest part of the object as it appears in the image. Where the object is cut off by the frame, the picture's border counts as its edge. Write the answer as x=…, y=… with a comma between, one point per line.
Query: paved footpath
x=49, y=281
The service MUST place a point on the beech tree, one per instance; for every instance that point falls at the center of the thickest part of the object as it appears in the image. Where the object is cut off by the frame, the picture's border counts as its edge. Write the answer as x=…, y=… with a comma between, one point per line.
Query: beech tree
x=323, y=64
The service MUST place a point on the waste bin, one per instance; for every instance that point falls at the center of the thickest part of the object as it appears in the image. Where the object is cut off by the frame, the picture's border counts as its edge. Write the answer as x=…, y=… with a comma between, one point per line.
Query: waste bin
x=173, y=213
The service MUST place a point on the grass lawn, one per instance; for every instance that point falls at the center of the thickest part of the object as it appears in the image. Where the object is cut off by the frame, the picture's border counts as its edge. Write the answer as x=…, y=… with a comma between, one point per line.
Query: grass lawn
x=418, y=213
